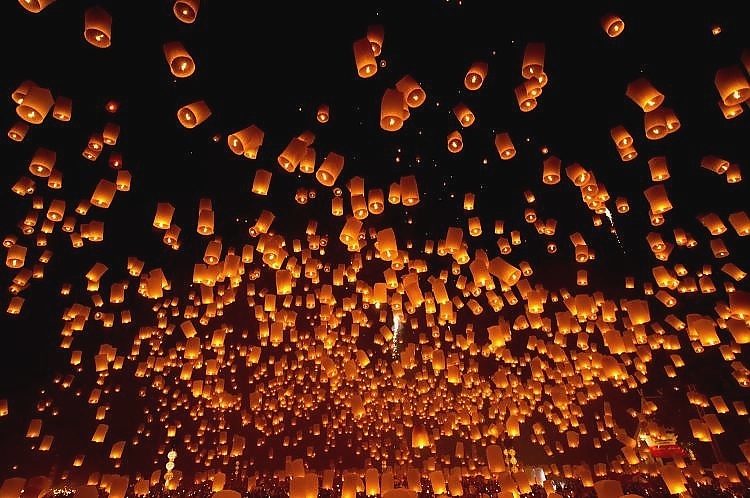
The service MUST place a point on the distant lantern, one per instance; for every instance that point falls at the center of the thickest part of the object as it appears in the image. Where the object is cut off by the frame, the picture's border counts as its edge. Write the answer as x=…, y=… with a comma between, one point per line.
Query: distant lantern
x=163, y=216
x=612, y=25
x=732, y=85
x=376, y=201
x=643, y=93
x=655, y=124
x=455, y=142
x=291, y=156
x=730, y=111
x=526, y=102
x=186, y=10
x=35, y=6
x=323, y=114
x=35, y=105
x=307, y=163
x=551, y=170
x=330, y=169
x=533, y=60
x=20, y=92
x=364, y=58
x=98, y=27
x=110, y=133
x=476, y=75
x=103, y=194
x=504, y=146
x=394, y=193
x=193, y=114
x=657, y=198
x=577, y=174
x=54, y=180
x=464, y=114
x=414, y=95
x=393, y=110
x=375, y=35
x=261, y=182
x=628, y=153
x=205, y=222
x=180, y=62
x=18, y=131
x=63, y=109
x=621, y=137
x=409, y=190
x=123, y=180
x=246, y=141
x=42, y=162
x=715, y=164
x=658, y=168
x=16, y=256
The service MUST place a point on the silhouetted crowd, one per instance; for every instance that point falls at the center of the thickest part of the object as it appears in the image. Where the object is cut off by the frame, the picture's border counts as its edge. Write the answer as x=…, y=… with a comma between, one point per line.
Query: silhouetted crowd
x=473, y=487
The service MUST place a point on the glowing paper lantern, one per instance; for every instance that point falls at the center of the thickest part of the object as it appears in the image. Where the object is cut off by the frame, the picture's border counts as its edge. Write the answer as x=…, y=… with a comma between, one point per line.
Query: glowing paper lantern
x=504, y=146
x=63, y=109
x=414, y=95
x=476, y=75
x=35, y=6
x=732, y=85
x=612, y=25
x=186, y=10
x=364, y=58
x=180, y=62
x=642, y=92
x=330, y=169
x=393, y=110
x=98, y=27
x=35, y=104
x=193, y=114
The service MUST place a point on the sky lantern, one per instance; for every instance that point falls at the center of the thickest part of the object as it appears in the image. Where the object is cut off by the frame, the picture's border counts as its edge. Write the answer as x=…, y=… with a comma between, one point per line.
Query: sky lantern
x=186, y=10
x=98, y=27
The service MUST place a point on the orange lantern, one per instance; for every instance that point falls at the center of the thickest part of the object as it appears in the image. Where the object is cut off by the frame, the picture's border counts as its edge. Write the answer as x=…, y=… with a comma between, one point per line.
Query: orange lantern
x=246, y=141
x=655, y=124
x=621, y=137
x=42, y=162
x=18, y=131
x=642, y=92
x=504, y=146
x=35, y=6
x=551, y=170
x=464, y=114
x=612, y=25
x=414, y=95
x=455, y=142
x=375, y=35
x=526, y=102
x=186, y=10
x=180, y=62
x=98, y=27
x=409, y=190
x=110, y=133
x=35, y=104
x=658, y=168
x=63, y=109
x=330, y=169
x=261, y=182
x=533, y=60
x=476, y=75
x=193, y=114
x=732, y=85
x=323, y=114
x=393, y=110
x=364, y=58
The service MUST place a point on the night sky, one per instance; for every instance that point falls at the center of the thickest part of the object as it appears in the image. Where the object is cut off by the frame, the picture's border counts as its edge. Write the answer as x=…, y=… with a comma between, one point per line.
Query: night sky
x=273, y=65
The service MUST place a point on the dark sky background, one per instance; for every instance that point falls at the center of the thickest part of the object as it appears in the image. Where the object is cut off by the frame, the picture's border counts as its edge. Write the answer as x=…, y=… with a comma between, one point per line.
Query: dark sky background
x=272, y=65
